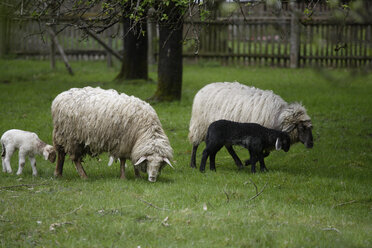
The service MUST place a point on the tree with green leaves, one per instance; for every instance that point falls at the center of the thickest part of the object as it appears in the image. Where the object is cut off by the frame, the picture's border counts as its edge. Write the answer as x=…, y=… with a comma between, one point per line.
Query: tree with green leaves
x=96, y=16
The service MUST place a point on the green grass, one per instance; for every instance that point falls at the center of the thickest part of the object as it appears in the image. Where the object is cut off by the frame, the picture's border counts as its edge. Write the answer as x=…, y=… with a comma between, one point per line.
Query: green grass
x=313, y=198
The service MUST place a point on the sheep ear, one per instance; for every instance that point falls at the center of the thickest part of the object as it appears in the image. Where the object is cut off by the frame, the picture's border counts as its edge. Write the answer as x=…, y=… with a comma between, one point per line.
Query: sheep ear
x=168, y=162
x=278, y=144
x=140, y=160
x=110, y=161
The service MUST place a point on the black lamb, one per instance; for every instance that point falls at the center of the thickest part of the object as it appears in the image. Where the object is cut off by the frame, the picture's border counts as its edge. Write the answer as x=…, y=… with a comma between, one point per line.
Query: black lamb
x=257, y=139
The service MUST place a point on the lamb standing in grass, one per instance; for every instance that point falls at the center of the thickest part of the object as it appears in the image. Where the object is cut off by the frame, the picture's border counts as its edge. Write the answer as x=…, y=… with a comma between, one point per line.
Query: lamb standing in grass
x=254, y=137
x=93, y=120
x=240, y=103
x=28, y=144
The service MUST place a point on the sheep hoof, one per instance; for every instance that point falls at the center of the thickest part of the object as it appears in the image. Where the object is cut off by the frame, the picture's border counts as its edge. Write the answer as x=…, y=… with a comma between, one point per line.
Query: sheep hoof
x=83, y=176
x=57, y=175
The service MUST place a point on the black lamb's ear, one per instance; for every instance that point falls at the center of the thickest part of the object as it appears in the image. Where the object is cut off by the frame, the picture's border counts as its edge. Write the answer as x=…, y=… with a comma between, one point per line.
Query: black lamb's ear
x=278, y=144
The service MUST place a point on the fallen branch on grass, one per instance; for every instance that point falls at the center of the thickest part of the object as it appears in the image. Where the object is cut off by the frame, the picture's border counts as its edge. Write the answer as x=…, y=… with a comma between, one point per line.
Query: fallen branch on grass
x=331, y=229
x=257, y=193
x=152, y=205
x=23, y=185
x=73, y=211
x=53, y=226
x=227, y=195
x=344, y=203
x=255, y=186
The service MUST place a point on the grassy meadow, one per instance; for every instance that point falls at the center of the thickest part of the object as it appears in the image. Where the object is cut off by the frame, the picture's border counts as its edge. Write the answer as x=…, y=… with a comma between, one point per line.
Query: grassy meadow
x=320, y=197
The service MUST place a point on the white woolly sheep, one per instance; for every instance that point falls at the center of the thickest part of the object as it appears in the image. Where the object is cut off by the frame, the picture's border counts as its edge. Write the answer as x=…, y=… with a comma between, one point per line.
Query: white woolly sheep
x=28, y=144
x=241, y=103
x=93, y=120
x=252, y=136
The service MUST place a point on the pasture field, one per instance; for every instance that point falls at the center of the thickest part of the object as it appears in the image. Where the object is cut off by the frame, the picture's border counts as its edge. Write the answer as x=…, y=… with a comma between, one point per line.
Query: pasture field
x=320, y=197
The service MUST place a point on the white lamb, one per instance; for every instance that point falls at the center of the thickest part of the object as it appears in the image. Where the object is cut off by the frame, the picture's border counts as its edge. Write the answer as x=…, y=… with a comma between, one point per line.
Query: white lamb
x=28, y=144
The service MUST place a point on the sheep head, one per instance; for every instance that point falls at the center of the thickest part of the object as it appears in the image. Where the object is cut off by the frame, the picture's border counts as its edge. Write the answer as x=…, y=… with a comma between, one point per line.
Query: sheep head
x=152, y=164
x=283, y=142
x=305, y=134
x=297, y=123
x=49, y=153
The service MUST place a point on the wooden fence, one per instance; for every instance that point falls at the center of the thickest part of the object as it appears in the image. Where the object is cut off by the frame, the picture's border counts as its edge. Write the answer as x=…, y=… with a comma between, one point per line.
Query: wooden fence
x=257, y=41
x=267, y=42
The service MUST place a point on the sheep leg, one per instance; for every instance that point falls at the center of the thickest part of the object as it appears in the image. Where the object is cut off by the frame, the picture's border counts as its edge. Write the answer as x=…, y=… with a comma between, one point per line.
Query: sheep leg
x=212, y=161
x=237, y=160
x=204, y=160
x=122, y=168
x=8, y=155
x=193, y=156
x=253, y=163
x=262, y=164
x=3, y=163
x=265, y=154
x=21, y=163
x=60, y=161
x=80, y=168
x=3, y=157
x=33, y=166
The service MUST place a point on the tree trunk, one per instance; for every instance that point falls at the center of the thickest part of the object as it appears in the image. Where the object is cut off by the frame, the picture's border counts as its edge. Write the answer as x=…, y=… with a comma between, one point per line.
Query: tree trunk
x=134, y=64
x=4, y=31
x=294, y=58
x=170, y=60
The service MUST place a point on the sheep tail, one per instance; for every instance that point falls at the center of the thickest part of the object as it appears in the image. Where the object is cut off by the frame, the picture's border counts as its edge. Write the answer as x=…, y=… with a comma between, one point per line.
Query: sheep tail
x=3, y=151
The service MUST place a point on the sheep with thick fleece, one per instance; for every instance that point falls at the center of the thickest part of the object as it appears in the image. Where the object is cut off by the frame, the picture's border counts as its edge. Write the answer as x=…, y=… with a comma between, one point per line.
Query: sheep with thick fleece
x=252, y=136
x=29, y=145
x=92, y=120
x=241, y=103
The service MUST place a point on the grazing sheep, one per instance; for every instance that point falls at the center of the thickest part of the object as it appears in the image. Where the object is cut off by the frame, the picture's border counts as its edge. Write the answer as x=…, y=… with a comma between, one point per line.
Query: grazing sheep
x=28, y=144
x=252, y=136
x=240, y=103
x=93, y=120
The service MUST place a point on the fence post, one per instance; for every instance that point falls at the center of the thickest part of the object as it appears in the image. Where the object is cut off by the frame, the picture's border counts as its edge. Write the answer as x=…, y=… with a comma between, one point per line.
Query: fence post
x=294, y=57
